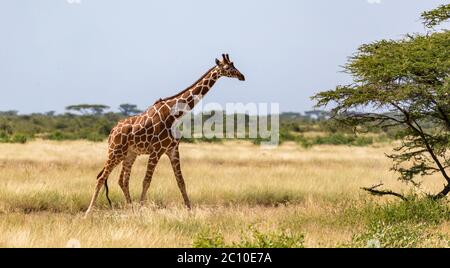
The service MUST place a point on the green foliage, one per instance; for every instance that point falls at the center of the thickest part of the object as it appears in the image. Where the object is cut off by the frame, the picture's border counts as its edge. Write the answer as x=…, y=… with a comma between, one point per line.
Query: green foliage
x=335, y=139
x=341, y=139
x=19, y=128
x=97, y=128
x=436, y=16
x=253, y=238
x=210, y=140
x=19, y=138
x=409, y=78
x=209, y=239
x=384, y=235
x=15, y=138
x=187, y=140
x=415, y=210
x=95, y=137
x=276, y=239
x=59, y=136
x=401, y=224
x=286, y=135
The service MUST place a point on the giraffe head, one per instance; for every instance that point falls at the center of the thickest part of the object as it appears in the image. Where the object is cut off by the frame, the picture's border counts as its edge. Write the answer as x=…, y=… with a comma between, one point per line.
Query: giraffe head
x=226, y=68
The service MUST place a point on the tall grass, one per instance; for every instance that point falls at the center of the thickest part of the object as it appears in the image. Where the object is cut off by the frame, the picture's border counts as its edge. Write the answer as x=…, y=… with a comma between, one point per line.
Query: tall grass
x=286, y=192
x=412, y=223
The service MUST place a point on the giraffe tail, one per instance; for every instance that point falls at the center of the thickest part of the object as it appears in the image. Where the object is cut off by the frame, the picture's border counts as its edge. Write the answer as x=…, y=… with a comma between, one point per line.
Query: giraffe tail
x=106, y=187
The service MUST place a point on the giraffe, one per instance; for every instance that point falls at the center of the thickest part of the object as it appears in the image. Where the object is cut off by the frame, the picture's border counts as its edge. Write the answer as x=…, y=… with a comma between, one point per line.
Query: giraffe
x=150, y=133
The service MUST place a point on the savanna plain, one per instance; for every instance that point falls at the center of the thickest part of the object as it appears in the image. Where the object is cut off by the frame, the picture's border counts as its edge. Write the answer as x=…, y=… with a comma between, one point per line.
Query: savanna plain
x=242, y=195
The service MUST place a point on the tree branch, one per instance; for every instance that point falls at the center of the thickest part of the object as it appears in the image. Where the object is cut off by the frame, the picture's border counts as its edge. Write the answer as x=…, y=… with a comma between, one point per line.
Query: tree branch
x=373, y=190
x=418, y=129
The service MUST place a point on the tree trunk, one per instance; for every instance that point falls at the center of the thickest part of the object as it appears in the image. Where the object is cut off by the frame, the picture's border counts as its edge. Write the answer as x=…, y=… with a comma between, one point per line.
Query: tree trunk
x=443, y=193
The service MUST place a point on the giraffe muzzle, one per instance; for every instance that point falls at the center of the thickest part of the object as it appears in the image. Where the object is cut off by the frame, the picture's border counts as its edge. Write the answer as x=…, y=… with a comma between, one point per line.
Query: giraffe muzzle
x=241, y=77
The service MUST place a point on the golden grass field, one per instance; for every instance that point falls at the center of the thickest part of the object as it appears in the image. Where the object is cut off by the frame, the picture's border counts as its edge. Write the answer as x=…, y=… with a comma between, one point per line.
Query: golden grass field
x=45, y=186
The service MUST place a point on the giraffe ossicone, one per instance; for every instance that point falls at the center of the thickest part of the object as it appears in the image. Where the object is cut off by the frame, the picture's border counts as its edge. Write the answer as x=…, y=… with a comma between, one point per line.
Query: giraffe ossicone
x=151, y=133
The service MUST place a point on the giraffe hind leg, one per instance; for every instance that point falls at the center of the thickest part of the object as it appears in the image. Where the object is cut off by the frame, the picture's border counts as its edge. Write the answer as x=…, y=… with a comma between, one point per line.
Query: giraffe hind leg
x=103, y=176
x=152, y=162
x=124, y=179
x=106, y=187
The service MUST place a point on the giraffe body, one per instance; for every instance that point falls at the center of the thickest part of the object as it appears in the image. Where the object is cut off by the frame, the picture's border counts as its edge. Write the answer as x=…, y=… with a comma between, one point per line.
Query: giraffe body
x=150, y=133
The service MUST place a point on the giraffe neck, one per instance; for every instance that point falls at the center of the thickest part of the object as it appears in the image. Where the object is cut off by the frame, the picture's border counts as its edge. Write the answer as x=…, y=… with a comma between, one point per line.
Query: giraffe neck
x=176, y=106
x=202, y=87
x=193, y=94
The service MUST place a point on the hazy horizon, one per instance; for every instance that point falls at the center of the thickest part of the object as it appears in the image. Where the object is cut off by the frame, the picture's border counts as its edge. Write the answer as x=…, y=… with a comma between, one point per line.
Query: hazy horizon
x=54, y=53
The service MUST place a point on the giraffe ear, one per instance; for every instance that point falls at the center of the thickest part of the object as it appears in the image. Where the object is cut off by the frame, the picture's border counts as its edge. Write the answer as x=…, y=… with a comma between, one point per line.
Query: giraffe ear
x=218, y=62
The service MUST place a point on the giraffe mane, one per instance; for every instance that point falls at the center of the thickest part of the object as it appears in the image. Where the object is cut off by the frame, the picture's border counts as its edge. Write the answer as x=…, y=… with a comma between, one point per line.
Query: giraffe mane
x=189, y=87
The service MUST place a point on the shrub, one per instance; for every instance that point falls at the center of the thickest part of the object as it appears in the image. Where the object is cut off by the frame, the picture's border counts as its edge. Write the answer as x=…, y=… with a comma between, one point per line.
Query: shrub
x=187, y=140
x=286, y=135
x=19, y=138
x=4, y=137
x=210, y=140
x=342, y=139
x=57, y=135
x=402, y=224
x=95, y=137
x=385, y=235
x=363, y=141
x=252, y=239
x=334, y=139
x=208, y=239
x=415, y=210
x=277, y=239
x=15, y=138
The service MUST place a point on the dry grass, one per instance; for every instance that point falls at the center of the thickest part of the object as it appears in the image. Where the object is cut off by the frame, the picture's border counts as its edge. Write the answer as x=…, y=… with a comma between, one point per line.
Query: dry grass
x=45, y=186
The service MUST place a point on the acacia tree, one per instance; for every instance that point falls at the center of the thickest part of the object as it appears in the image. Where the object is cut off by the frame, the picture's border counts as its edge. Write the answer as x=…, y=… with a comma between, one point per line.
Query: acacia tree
x=403, y=85
x=88, y=109
x=129, y=109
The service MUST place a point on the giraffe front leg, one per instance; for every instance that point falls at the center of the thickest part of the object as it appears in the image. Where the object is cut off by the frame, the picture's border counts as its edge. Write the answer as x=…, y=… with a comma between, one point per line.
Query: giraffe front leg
x=152, y=162
x=174, y=157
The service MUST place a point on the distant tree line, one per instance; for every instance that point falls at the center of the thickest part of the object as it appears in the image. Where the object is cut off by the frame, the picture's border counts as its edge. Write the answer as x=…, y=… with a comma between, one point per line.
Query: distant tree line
x=94, y=122
x=81, y=121
x=125, y=109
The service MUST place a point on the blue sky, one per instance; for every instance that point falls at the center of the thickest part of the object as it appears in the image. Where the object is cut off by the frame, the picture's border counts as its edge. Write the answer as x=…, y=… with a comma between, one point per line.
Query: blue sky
x=54, y=53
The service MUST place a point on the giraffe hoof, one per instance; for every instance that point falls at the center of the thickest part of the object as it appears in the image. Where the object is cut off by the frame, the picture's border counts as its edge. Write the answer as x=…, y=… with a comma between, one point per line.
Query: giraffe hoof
x=86, y=215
